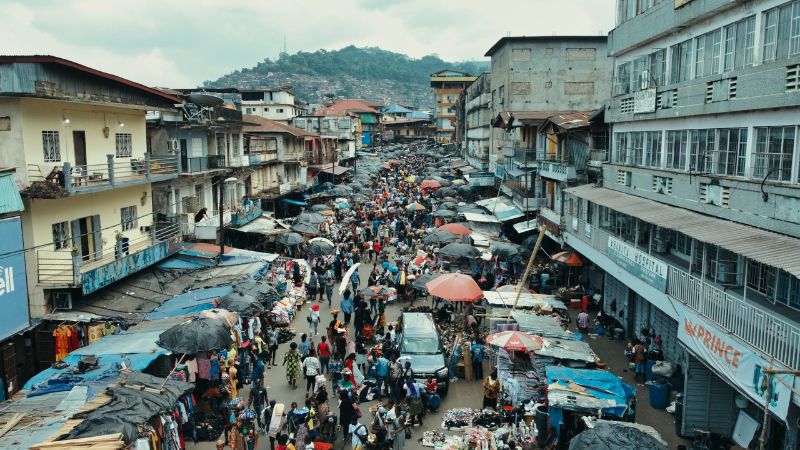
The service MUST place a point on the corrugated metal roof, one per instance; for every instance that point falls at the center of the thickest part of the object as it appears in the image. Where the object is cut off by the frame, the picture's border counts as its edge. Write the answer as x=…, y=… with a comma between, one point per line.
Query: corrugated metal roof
x=764, y=246
x=10, y=200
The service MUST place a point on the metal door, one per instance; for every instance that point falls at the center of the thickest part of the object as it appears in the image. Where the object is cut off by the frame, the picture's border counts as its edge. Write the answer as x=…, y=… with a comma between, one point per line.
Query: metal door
x=708, y=401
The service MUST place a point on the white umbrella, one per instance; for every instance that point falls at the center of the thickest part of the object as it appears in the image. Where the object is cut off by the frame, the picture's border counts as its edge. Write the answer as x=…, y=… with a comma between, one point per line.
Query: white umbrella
x=322, y=239
x=346, y=279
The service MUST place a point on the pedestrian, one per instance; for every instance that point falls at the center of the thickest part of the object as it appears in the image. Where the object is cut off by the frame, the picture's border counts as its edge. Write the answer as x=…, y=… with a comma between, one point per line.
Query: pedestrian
x=329, y=286
x=477, y=351
x=311, y=368
x=379, y=426
x=257, y=400
x=292, y=362
x=346, y=305
x=324, y=354
x=258, y=369
x=381, y=373
x=272, y=340
x=313, y=319
x=583, y=322
x=304, y=345
x=313, y=282
x=491, y=387
x=357, y=431
x=397, y=429
x=640, y=360
x=355, y=279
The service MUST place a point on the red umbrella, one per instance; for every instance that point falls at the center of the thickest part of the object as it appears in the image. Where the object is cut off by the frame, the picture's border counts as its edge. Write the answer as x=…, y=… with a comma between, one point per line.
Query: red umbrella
x=393, y=161
x=569, y=258
x=515, y=341
x=456, y=228
x=430, y=184
x=455, y=287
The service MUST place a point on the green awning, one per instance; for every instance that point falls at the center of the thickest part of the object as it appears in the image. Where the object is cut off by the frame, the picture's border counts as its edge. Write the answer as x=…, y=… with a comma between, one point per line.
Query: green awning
x=10, y=200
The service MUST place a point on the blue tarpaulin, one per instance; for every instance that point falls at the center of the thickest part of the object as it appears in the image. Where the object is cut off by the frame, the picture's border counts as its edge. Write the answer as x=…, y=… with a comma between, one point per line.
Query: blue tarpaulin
x=54, y=380
x=189, y=302
x=295, y=202
x=604, y=391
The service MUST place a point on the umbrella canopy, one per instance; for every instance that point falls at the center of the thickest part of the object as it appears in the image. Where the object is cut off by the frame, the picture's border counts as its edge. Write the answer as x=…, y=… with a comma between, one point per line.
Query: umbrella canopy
x=455, y=287
x=327, y=185
x=261, y=291
x=440, y=237
x=444, y=213
x=393, y=161
x=319, y=208
x=340, y=191
x=569, y=258
x=289, y=239
x=361, y=198
x=411, y=179
x=459, y=182
x=507, y=251
x=374, y=292
x=243, y=304
x=455, y=228
x=448, y=205
x=311, y=218
x=199, y=334
x=515, y=341
x=222, y=315
x=442, y=181
x=415, y=207
x=459, y=250
x=446, y=192
x=304, y=228
x=616, y=436
x=320, y=248
x=321, y=239
x=506, y=288
x=430, y=184
x=422, y=280
x=346, y=278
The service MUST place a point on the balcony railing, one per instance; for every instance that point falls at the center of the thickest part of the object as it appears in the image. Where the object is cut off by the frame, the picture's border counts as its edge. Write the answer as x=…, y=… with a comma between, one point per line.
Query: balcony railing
x=552, y=216
x=65, y=268
x=246, y=216
x=87, y=178
x=198, y=164
x=750, y=323
x=262, y=158
x=557, y=170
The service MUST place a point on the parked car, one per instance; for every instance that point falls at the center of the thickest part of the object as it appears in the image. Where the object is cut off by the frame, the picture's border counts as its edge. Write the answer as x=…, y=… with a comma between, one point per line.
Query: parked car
x=421, y=344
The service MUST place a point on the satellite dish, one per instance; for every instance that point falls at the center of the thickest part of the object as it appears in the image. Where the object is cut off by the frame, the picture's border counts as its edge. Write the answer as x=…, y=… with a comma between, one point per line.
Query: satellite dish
x=204, y=99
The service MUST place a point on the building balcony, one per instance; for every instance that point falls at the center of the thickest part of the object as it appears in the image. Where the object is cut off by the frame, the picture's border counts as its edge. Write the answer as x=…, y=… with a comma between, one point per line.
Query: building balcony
x=237, y=161
x=754, y=323
x=202, y=164
x=246, y=215
x=551, y=216
x=69, y=269
x=557, y=170
x=257, y=159
x=70, y=179
x=292, y=157
x=524, y=198
x=285, y=188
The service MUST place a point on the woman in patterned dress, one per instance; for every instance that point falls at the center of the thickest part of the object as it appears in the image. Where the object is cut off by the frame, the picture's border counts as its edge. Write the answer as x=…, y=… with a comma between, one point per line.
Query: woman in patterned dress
x=292, y=362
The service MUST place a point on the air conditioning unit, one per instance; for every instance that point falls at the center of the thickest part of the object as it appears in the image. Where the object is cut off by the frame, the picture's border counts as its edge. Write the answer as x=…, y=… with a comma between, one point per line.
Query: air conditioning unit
x=62, y=300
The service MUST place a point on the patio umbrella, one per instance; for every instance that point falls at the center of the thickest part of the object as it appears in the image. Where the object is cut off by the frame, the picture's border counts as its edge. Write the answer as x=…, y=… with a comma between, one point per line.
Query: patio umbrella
x=446, y=192
x=320, y=248
x=320, y=239
x=222, y=315
x=340, y=191
x=515, y=341
x=448, y=205
x=444, y=213
x=411, y=179
x=374, y=292
x=415, y=207
x=289, y=239
x=319, y=208
x=458, y=182
x=455, y=228
x=199, y=334
x=393, y=161
x=440, y=237
x=310, y=218
x=357, y=197
x=430, y=184
x=261, y=291
x=243, y=304
x=346, y=278
x=455, y=287
x=442, y=180
x=459, y=250
x=608, y=435
x=422, y=280
x=507, y=251
x=569, y=258
x=306, y=228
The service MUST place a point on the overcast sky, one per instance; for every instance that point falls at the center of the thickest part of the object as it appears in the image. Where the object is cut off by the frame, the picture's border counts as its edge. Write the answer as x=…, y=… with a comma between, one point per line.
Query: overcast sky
x=180, y=43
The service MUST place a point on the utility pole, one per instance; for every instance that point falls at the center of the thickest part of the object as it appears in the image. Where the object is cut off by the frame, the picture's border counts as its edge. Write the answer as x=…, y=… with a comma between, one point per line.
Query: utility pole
x=770, y=373
x=221, y=216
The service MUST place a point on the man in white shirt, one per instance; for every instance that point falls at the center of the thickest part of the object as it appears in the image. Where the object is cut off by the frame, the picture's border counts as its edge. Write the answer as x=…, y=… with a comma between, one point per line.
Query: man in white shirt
x=358, y=433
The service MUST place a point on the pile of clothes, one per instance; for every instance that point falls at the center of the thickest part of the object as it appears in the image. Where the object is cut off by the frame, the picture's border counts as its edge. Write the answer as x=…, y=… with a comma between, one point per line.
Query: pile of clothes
x=458, y=418
x=286, y=335
x=433, y=438
x=487, y=418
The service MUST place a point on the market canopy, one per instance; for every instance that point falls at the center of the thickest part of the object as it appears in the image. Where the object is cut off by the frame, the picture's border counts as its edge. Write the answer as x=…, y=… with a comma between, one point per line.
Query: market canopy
x=526, y=300
x=455, y=287
x=290, y=239
x=459, y=250
x=569, y=258
x=440, y=237
x=199, y=334
x=515, y=341
x=455, y=228
x=244, y=304
x=612, y=435
x=336, y=170
x=263, y=292
x=585, y=390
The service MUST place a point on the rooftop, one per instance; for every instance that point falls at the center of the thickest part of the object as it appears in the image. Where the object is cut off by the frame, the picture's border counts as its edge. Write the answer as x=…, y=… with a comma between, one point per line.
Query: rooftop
x=510, y=39
x=272, y=126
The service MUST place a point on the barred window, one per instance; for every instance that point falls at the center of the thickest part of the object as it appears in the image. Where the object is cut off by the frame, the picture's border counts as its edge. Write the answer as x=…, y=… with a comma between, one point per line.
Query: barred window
x=788, y=289
x=761, y=278
x=128, y=217
x=731, y=151
x=235, y=144
x=61, y=235
x=676, y=149
x=124, y=145
x=51, y=145
x=652, y=153
x=772, y=158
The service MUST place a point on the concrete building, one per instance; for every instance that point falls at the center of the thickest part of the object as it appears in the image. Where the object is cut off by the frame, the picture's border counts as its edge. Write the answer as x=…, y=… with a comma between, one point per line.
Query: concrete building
x=344, y=127
x=447, y=86
x=369, y=117
x=273, y=104
x=534, y=78
x=695, y=222
x=77, y=139
x=478, y=111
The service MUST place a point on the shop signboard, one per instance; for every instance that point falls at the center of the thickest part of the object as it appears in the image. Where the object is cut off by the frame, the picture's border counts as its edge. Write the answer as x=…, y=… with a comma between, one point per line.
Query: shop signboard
x=481, y=179
x=13, y=282
x=735, y=362
x=639, y=263
x=644, y=101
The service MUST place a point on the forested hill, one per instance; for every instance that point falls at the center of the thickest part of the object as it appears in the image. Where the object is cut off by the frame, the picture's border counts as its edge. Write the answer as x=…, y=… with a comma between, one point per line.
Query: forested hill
x=369, y=73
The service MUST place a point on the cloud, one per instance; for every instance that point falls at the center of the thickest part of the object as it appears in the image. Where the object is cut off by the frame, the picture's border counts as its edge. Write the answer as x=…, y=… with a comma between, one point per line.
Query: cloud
x=181, y=43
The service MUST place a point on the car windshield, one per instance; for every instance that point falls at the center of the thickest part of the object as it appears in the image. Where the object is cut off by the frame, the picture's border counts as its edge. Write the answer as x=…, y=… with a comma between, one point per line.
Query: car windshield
x=420, y=345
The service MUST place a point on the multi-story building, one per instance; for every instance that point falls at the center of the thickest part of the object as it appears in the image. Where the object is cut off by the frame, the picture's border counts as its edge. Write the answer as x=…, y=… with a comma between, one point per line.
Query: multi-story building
x=273, y=104
x=447, y=86
x=344, y=127
x=534, y=78
x=696, y=223
x=77, y=139
x=478, y=111
x=369, y=117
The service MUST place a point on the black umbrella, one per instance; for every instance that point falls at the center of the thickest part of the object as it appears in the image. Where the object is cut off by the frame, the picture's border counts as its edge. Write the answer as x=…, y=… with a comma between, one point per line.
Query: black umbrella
x=199, y=334
x=443, y=181
x=310, y=218
x=444, y=213
x=420, y=282
x=318, y=208
x=327, y=185
x=240, y=303
x=506, y=251
x=261, y=291
x=290, y=239
x=340, y=191
x=360, y=198
x=446, y=192
x=440, y=237
x=615, y=436
x=458, y=250
x=374, y=292
x=306, y=228
x=320, y=248
x=448, y=205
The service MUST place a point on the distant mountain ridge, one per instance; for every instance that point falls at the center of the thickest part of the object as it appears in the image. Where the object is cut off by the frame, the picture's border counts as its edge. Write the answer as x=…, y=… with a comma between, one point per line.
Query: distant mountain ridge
x=369, y=73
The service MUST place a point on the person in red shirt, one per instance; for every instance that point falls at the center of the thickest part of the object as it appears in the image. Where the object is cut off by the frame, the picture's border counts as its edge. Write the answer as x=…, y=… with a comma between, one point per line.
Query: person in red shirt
x=376, y=247
x=324, y=352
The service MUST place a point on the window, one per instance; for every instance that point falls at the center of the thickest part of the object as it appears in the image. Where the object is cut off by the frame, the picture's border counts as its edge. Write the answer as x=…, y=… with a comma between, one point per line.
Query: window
x=620, y=148
x=279, y=110
x=700, y=56
x=794, y=30
x=770, y=35
x=235, y=144
x=731, y=148
x=676, y=149
x=745, y=41
x=701, y=150
x=680, y=243
x=61, y=236
x=730, y=47
x=623, y=85
x=266, y=109
x=657, y=66
x=682, y=57
x=652, y=149
x=782, y=32
x=772, y=157
x=788, y=291
x=221, y=144
x=51, y=145
x=502, y=93
x=589, y=212
x=761, y=278
x=637, y=148
x=124, y=145
x=128, y=217
x=639, y=66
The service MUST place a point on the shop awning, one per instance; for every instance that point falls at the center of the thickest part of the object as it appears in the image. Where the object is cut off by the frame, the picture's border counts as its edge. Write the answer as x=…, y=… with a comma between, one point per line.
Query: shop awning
x=565, y=349
x=760, y=245
x=482, y=218
x=295, y=202
x=336, y=170
x=502, y=208
x=526, y=226
x=544, y=326
x=468, y=169
x=264, y=225
x=526, y=300
x=514, y=172
x=456, y=163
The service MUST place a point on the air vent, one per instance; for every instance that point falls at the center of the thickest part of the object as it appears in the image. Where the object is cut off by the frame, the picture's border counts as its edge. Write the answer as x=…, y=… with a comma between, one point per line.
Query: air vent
x=709, y=91
x=714, y=194
x=626, y=105
x=732, y=85
x=793, y=77
x=674, y=98
x=662, y=185
x=624, y=178
x=667, y=99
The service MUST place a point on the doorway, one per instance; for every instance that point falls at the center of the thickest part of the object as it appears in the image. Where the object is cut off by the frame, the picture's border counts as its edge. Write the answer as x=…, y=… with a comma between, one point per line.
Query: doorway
x=79, y=147
x=185, y=155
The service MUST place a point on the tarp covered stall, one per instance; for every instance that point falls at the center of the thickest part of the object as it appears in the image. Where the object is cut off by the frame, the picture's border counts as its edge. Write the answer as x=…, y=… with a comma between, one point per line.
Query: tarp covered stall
x=484, y=223
x=190, y=302
x=502, y=208
x=544, y=326
x=567, y=350
x=585, y=391
x=610, y=435
x=526, y=300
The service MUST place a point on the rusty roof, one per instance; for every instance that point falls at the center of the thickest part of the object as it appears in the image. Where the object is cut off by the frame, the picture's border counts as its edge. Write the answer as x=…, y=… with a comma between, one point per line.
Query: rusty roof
x=344, y=106
x=567, y=121
x=271, y=126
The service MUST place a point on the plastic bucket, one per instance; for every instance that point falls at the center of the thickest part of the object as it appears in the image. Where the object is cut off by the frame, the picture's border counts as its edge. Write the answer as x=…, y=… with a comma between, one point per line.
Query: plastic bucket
x=659, y=394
